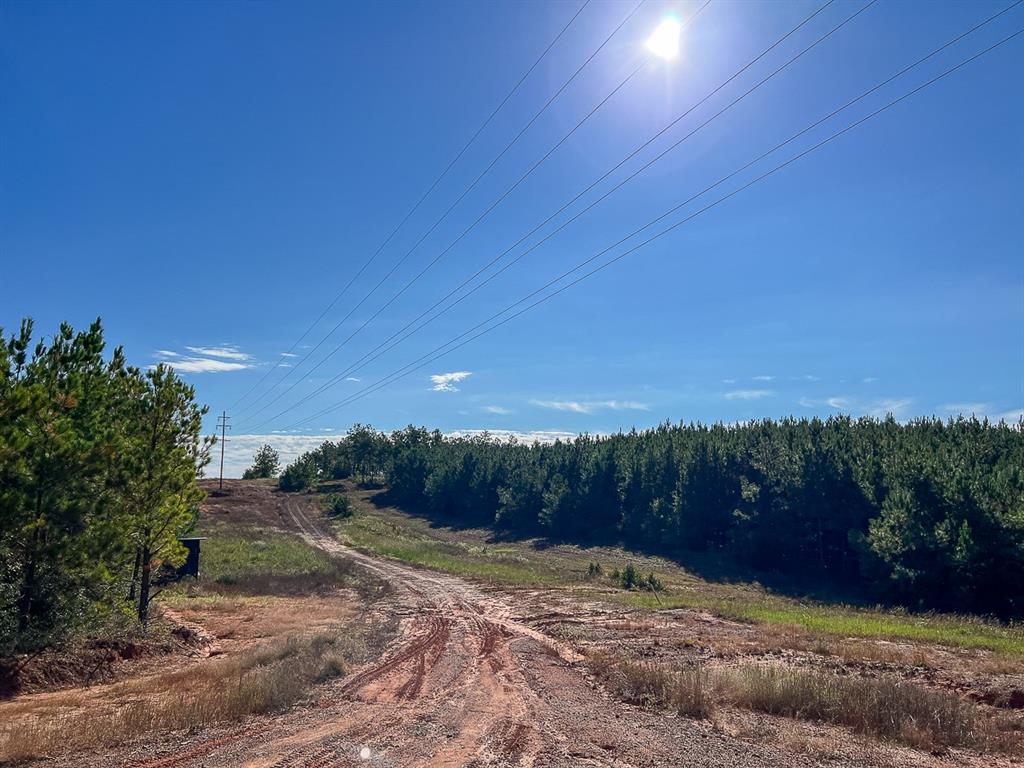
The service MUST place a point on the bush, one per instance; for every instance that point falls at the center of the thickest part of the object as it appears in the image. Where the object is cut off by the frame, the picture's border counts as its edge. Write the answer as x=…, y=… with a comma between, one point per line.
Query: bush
x=594, y=571
x=631, y=578
x=265, y=463
x=301, y=475
x=339, y=505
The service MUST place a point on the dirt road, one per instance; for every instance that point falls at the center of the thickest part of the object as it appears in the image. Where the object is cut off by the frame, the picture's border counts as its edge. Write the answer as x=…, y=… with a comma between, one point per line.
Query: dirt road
x=465, y=683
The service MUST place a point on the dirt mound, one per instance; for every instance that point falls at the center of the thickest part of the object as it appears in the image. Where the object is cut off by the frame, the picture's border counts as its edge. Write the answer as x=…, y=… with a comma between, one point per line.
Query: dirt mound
x=99, y=659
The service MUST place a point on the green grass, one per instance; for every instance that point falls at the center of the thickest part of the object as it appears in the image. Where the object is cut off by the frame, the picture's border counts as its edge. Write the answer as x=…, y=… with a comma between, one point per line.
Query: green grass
x=244, y=553
x=844, y=621
x=468, y=553
x=499, y=565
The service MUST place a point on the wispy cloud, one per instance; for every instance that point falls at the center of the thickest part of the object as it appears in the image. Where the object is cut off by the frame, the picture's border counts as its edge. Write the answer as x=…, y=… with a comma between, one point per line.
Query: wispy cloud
x=762, y=377
x=590, y=406
x=204, y=365
x=221, y=359
x=508, y=435
x=498, y=409
x=445, y=382
x=352, y=378
x=895, y=406
x=225, y=352
x=748, y=394
x=878, y=408
x=967, y=409
x=982, y=411
x=728, y=381
x=288, y=354
x=869, y=379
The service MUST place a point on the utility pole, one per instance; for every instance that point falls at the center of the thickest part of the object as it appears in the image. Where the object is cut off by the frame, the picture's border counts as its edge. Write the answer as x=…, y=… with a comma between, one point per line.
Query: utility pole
x=222, y=422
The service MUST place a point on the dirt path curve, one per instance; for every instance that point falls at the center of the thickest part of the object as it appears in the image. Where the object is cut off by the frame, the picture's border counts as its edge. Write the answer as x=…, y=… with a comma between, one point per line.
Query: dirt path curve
x=463, y=684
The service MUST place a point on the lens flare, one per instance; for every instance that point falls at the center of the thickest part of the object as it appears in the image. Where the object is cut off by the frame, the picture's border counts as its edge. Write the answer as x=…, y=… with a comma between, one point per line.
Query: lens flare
x=664, y=41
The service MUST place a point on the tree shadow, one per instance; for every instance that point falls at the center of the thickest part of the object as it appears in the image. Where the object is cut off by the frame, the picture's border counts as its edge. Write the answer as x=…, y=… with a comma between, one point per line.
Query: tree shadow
x=708, y=565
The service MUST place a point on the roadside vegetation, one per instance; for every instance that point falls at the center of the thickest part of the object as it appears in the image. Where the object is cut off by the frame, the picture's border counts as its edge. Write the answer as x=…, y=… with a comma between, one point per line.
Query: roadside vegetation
x=267, y=679
x=886, y=707
x=98, y=468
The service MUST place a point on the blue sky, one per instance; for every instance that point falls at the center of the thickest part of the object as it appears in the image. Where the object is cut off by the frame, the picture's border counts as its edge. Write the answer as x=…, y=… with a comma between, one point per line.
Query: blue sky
x=207, y=176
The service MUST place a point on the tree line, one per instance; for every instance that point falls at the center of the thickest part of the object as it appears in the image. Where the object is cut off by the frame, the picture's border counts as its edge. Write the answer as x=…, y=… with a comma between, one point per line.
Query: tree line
x=98, y=469
x=928, y=513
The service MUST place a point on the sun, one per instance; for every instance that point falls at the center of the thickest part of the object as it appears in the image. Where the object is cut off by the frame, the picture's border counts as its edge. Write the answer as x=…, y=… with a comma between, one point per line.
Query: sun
x=664, y=41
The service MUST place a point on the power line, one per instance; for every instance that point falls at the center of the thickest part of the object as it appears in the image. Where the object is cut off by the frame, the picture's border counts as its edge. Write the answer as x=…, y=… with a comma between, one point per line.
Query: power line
x=607, y=194
x=450, y=208
x=418, y=203
x=463, y=234
x=427, y=359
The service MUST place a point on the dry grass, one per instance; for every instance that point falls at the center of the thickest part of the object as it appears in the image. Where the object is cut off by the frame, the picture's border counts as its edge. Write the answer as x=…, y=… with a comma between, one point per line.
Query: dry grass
x=886, y=707
x=266, y=679
x=685, y=690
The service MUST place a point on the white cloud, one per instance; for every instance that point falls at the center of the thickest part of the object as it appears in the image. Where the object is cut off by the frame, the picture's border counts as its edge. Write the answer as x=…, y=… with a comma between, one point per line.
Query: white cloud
x=882, y=408
x=575, y=406
x=967, y=409
x=748, y=394
x=352, y=378
x=1010, y=417
x=981, y=411
x=728, y=381
x=879, y=408
x=288, y=354
x=445, y=382
x=204, y=365
x=498, y=409
x=869, y=379
x=764, y=378
x=219, y=359
x=239, y=449
x=226, y=352
x=507, y=435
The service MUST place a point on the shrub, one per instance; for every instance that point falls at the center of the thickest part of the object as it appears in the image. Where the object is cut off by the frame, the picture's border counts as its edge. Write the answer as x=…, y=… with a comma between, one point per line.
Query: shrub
x=631, y=578
x=339, y=505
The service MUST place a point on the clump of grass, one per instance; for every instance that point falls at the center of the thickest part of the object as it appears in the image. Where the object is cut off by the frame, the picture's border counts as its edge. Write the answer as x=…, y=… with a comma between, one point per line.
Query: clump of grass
x=886, y=707
x=685, y=690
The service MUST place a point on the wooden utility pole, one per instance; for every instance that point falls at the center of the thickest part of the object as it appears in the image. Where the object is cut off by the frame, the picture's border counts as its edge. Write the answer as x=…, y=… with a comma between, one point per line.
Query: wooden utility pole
x=222, y=422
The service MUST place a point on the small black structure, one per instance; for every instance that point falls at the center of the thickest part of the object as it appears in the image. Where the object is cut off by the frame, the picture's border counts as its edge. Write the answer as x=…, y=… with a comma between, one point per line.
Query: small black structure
x=191, y=565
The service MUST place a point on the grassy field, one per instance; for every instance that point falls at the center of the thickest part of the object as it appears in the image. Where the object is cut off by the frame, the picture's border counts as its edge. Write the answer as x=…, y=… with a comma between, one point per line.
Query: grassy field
x=474, y=553
x=231, y=554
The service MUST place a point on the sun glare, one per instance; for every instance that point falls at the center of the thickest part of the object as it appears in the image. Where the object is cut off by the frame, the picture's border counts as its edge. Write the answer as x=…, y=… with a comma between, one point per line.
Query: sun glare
x=664, y=41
